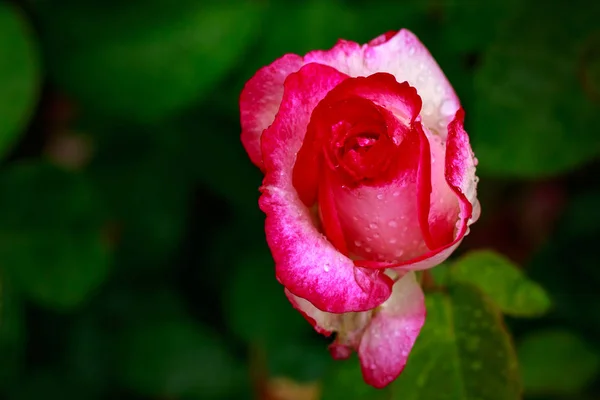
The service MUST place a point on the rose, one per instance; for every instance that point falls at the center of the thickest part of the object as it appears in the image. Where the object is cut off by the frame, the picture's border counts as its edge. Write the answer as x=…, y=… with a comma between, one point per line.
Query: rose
x=369, y=176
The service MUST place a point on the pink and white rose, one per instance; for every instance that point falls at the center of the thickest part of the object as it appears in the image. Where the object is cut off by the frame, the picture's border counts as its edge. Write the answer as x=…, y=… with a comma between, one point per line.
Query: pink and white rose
x=369, y=176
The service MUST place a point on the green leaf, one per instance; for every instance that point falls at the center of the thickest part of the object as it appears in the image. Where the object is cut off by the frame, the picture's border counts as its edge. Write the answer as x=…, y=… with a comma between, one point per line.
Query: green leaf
x=345, y=381
x=506, y=285
x=462, y=353
x=51, y=243
x=257, y=308
x=535, y=108
x=147, y=61
x=19, y=75
x=177, y=357
x=556, y=362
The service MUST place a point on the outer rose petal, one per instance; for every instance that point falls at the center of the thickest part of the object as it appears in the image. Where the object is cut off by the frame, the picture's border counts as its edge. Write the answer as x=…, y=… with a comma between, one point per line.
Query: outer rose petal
x=404, y=56
x=260, y=101
x=307, y=264
x=392, y=332
x=325, y=323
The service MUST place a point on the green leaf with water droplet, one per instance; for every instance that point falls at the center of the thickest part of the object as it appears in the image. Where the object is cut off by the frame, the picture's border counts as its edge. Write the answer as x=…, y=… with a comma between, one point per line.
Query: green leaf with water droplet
x=503, y=282
x=19, y=74
x=462, y=353
x=556, y=362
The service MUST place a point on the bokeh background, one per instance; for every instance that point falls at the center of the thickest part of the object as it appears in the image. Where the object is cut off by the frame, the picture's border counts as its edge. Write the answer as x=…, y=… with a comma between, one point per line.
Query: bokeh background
x=132, y=253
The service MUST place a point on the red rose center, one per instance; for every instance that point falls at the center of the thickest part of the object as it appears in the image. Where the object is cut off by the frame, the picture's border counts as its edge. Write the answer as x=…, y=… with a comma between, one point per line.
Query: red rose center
x=355, y=140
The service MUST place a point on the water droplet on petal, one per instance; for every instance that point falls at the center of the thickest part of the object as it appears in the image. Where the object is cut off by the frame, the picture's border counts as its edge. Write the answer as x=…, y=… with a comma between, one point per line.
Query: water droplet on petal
x=411, y=51
x=392, y=241
x=393, y=224
x=368, y=249
x=380, y=196
x=448, y=108
x=396, y=194
x=357, y=243
x=326, y=268
x=373, y=225
x=376, y=236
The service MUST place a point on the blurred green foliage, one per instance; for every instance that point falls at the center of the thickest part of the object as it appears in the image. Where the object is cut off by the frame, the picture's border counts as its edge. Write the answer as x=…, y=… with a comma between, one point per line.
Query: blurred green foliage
x=133, y=263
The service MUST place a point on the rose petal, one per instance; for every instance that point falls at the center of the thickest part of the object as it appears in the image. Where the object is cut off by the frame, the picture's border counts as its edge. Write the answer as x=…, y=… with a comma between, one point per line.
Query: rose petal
x=346, y=56
x=307, y=264
x=401, y=54
x=325, y=323
x=384, y=222
x=392, y=332
x=404, y=56
x=259, y=102
x=444, y=205
x=460, y=176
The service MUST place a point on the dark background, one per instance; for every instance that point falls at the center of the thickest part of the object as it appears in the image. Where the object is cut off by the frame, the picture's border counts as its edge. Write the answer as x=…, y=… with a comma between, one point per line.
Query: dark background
x=132, y=254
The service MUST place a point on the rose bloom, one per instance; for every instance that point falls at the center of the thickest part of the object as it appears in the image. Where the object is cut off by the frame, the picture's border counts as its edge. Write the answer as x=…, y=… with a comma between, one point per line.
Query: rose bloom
x=369, y=176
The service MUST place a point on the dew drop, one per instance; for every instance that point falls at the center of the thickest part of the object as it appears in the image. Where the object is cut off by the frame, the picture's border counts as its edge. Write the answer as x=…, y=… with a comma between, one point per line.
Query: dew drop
x=368, y=249
x=447, y=108
x=399, y=253
x=393, y=224
x=369, y=239
x=326, y=268
x=373, y=225
x=396, y=194
x=380, y=196
x=439, y=89
x=376, y=236
x=392, y=241
x=442, y=123
x=411, y=51
x=355, y=218
x=357, y=243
